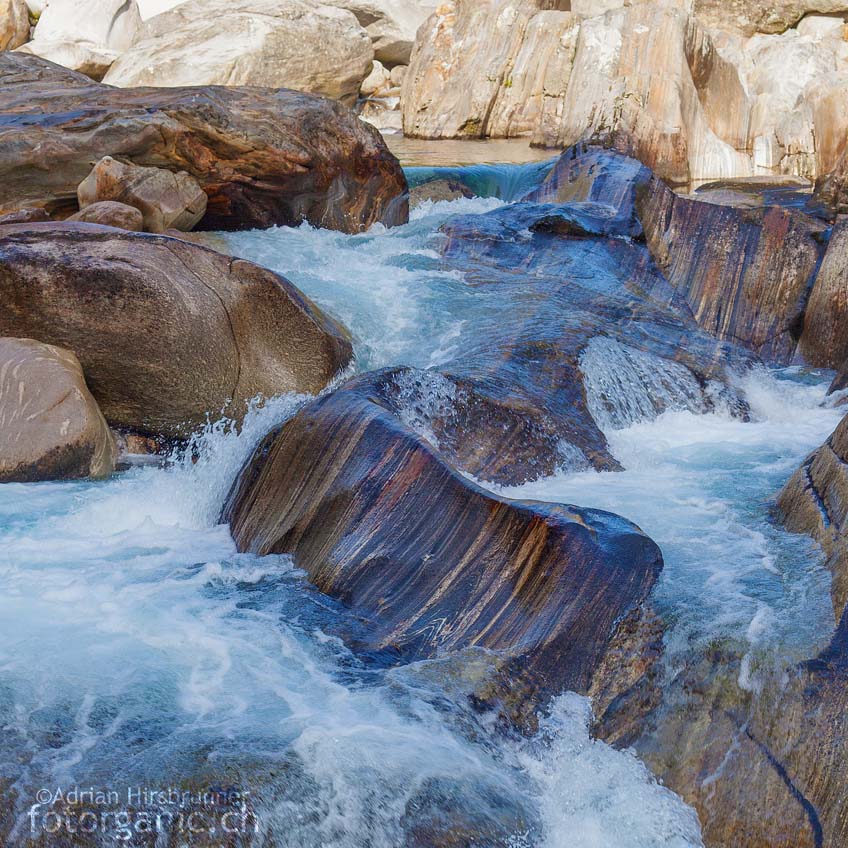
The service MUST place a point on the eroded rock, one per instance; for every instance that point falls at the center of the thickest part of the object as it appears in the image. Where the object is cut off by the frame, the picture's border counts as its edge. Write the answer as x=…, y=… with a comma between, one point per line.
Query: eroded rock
x=50, y=426
x=169, y=333
x=14, y=24
x=377, y=519
x=262, y=156
x=165, y=199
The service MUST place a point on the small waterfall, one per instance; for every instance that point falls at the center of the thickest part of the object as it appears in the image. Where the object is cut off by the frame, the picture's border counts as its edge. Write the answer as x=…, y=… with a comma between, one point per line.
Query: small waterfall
x=625, y=385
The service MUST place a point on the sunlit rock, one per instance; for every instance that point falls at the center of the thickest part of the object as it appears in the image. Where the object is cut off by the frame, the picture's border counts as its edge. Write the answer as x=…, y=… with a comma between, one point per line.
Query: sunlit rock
x=50, y=426
x=168, y=333
x=313, y=48
x=262, y=156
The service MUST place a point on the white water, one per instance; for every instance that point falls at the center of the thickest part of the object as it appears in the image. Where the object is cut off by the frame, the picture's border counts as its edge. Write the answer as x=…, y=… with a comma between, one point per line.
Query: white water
x=138, y=646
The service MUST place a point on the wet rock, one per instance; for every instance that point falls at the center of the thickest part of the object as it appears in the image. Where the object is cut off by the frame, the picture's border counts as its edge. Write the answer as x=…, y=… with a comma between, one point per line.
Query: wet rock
x=165, y=199
x=815, y=502
x=745, y=274
x=50, y=426
x=438, y=190
x=168, y=332
x=14, y=24
x=108, y=213
x=262, y=156
x=275, y=43
x=378, y=519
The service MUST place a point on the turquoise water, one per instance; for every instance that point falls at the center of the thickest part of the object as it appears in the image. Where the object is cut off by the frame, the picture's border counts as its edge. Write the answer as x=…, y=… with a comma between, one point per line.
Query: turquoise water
x=139, y=647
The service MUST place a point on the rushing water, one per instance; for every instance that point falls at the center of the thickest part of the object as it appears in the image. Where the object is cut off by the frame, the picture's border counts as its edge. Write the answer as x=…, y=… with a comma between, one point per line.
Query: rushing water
x=139, y=648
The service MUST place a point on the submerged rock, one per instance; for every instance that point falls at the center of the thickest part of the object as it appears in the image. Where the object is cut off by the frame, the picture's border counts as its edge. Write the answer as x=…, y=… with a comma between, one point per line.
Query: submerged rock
x=378, y=519
x=169, y=333
x=262, y=156
x=50, y=426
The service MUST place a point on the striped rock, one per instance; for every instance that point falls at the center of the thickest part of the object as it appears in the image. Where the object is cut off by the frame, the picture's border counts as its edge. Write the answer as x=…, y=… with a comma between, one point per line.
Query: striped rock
x=377, y=518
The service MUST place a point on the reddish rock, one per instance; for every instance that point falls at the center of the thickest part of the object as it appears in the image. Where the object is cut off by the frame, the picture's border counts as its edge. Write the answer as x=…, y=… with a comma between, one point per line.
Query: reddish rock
x=262, y=156
x=108, y=213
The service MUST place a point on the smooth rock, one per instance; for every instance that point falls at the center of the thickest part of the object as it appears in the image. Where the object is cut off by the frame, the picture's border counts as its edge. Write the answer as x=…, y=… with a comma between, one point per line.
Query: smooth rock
x=294, y=44
x=815, y=502
x=14, y=24
x=50, y=426
x=392, y=24
x=376, y=518
x=108, y=213
x=165, y=199
x=745, y=274
x=377, y=80
x=150, y=8
x=263, y=157
x=168, y=332
x=109, y=24
x=87, y=58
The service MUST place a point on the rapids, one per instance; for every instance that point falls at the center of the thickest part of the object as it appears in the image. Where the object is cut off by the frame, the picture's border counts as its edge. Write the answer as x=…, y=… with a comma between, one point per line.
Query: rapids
x=140, y=649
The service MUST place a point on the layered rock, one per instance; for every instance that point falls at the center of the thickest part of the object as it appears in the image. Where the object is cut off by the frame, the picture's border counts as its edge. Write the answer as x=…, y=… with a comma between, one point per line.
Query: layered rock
x=823, y=341
x=168, y=333
x=165, y=199
x=50, y=426
x=14, y=24
x=262, y=156
x=815, y=502
x=293, y=44
x=377, y=519
x=746, y=274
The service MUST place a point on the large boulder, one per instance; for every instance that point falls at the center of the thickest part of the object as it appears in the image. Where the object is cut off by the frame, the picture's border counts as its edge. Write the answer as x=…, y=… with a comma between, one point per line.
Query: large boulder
x=14, y=24
x=111, y=24
x=746, y=274
x=815, y=502
x=378, y=519
x=392, y=24
x=166, y=200
x=52, y=428
x=293, y=44
x=262, y=156
x=168, y=332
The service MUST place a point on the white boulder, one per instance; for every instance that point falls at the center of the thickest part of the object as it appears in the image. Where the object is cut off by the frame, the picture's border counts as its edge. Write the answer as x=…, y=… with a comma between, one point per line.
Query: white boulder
x=275, y=43
x=107, y=24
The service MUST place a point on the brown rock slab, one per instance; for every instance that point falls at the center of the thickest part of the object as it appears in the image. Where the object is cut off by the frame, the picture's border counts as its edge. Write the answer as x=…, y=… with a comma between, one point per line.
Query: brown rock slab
x=50, y=426
x=110, y=213
x=378, y=519
x=262, y=156
x=168, y=332
x=165, y=199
